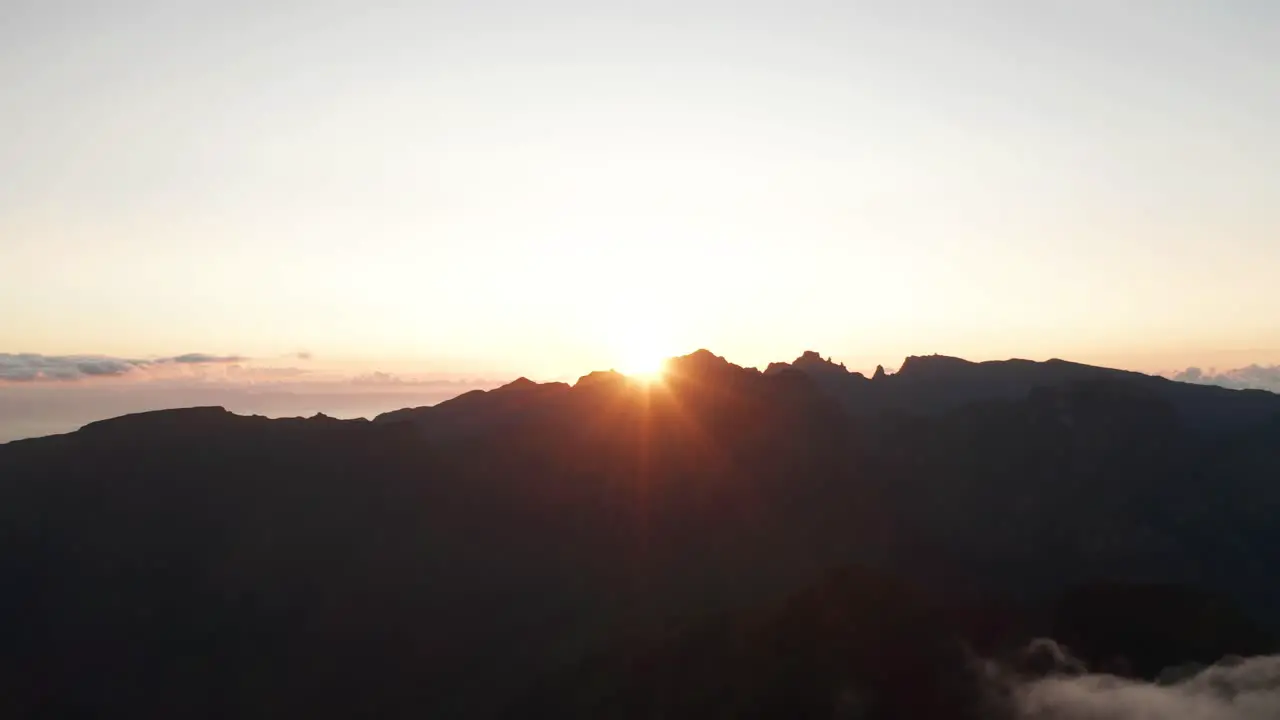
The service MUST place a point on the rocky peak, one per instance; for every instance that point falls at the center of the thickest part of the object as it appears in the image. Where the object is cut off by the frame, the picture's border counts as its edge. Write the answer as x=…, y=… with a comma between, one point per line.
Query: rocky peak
x=599, y=378
x=813, y=359
x=932, y=365
x=521, y=383
x=811, y=363
x=698, y=364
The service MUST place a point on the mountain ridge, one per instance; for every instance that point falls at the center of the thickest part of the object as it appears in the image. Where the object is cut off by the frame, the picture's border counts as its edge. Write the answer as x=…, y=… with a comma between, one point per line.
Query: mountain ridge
x=919, y=385
x=852, y=387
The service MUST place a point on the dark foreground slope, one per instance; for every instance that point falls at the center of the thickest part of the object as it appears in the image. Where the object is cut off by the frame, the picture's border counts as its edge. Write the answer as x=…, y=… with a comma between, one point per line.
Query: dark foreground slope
x=464, y=560
x=861, y=644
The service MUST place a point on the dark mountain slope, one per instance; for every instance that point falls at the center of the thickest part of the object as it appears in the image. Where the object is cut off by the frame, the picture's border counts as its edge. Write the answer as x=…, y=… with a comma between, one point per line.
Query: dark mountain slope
x=442, y=561
x=858, y=643
x=861, y=643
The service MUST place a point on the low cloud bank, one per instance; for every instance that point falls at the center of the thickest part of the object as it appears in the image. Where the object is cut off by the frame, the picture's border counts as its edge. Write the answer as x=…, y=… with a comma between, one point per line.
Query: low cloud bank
x=1252, y=377
x=33, y=367
x=203, y=358
x=1233, y=689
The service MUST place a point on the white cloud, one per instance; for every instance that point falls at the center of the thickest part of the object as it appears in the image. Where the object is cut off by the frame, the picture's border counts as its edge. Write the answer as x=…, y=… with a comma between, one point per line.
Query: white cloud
x=33, y=367
x=1238, y=689
x=1252, y=377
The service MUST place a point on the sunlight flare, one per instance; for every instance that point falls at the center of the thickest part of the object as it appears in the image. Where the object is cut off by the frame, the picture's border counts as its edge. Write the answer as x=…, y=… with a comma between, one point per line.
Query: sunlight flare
x=639, y=347
x=644, y=365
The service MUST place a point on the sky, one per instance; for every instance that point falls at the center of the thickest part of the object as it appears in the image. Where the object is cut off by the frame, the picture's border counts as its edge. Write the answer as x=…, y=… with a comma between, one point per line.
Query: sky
x=496, y=188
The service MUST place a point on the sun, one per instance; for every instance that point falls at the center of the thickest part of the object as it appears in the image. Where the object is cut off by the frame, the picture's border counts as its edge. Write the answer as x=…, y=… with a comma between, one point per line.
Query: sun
x=639, y=353
x=642, y=364
x=637, y=336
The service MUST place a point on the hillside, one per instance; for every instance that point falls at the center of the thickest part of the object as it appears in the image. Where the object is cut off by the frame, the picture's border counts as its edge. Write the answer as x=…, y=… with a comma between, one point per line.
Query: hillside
x=462, y=560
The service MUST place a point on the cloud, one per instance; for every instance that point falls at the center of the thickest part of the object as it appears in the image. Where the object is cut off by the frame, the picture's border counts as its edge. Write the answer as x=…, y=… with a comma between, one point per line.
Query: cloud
x=1233, y=689
x=1237, y=689
x=1252, y=377
x=33, y=367
x=378, y=378
x=203, y=358
x=29, y=367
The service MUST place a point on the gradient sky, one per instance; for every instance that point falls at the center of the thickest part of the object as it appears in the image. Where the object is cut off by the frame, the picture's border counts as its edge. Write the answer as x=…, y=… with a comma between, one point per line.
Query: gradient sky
x=543, y=188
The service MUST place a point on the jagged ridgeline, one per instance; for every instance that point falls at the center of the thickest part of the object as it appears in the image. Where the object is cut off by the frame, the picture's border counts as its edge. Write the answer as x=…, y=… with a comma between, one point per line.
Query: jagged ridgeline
x=616, y=548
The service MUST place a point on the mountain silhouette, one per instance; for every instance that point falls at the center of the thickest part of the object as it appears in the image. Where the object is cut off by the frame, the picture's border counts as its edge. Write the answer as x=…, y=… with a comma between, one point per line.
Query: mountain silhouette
x=523, y=549
x=937, y=383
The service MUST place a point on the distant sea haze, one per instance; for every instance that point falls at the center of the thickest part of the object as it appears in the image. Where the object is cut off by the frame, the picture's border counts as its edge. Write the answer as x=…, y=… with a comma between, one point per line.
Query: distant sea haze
x=34, y=411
